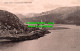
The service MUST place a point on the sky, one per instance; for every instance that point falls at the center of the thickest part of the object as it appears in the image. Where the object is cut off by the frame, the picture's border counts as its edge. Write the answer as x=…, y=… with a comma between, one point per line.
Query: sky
x=35, y=6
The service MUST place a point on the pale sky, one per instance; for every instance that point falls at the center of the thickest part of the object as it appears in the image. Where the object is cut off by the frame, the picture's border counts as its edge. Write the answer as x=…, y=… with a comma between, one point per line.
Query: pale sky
x=36, y=6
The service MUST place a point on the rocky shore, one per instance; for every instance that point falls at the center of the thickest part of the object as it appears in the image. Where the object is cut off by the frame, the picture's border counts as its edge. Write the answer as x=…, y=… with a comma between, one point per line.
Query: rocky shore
x=29, y=36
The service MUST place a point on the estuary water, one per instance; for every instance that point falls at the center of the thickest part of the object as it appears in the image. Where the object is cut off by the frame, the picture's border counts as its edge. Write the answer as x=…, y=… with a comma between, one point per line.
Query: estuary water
x=57, y=40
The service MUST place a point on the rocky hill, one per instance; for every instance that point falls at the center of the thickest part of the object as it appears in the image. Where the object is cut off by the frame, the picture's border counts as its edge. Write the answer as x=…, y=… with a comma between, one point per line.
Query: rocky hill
x=11, y=28
x=10, y=20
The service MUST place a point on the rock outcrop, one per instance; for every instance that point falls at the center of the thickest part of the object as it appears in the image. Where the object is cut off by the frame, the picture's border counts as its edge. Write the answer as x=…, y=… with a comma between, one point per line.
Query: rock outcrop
x=11, y=28
x=10, y=20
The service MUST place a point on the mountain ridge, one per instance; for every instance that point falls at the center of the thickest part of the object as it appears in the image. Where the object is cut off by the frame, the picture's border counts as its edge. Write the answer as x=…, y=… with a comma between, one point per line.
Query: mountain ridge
x=61, y=15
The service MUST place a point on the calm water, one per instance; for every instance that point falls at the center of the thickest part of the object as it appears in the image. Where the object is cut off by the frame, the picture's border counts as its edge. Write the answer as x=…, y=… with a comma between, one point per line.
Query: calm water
x=58, y=40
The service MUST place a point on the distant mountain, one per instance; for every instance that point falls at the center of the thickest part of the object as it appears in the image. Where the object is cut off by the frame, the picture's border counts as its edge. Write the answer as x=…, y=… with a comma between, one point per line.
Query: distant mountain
x=20, y=16
x=29, y=15
x=63, y=15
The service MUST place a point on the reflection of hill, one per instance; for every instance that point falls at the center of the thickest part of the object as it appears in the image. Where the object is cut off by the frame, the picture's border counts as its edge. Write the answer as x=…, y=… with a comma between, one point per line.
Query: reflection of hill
x=63, y=15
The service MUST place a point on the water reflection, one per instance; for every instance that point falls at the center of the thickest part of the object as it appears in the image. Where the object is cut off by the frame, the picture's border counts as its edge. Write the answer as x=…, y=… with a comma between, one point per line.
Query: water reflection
x=7, y=44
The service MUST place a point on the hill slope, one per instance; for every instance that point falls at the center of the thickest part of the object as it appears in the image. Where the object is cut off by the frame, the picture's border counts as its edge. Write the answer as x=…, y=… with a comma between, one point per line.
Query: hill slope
x=64, y=15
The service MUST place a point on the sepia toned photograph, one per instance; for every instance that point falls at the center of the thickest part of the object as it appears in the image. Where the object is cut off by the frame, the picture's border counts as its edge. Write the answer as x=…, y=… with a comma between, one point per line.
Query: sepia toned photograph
x=39, y=25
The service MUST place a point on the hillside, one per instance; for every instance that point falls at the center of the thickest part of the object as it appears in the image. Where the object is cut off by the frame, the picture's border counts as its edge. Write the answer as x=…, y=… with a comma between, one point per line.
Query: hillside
x=13, y=29
x=62, y=15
